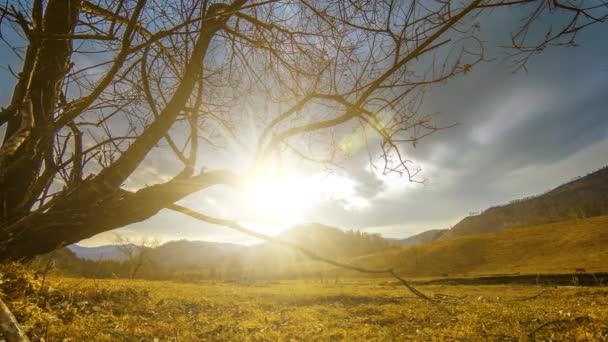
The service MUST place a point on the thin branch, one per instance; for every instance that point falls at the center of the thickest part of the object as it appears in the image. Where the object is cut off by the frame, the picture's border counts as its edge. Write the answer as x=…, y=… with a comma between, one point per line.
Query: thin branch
x=235, y=226
x=557, y=321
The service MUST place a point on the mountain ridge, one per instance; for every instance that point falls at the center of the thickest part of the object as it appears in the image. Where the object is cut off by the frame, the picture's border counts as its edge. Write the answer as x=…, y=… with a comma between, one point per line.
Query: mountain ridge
x=326, y=240
x=558, y=247
x=425, y=236
x=467, y=243
x=582, y=197
x=103, y=252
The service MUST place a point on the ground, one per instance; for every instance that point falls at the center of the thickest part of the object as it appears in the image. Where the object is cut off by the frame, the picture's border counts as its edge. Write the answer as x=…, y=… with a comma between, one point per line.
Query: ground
x=72, y=309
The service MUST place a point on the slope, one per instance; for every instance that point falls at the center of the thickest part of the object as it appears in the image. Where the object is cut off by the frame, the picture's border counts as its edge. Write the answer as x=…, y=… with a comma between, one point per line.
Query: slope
x=424, y=237
x=547, y=248
x=106, y=252
x=581, y=198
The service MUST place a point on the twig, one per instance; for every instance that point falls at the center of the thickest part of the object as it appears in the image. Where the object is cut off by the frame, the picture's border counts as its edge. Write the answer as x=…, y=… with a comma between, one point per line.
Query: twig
x=531, y=297
x=558, y=321
x=10, y=326
x=449, y=298
x=47, y=267
x=235, y=226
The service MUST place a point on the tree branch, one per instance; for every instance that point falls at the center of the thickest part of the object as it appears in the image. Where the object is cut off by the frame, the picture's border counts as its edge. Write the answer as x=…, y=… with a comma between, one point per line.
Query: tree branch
x=10, y=326
x=235, y=226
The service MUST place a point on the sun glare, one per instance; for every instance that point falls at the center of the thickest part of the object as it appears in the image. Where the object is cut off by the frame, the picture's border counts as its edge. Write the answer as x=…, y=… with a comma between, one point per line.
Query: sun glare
x=285, y=199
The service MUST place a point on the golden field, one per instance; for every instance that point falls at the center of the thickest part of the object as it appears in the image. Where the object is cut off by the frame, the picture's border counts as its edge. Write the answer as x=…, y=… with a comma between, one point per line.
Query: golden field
x=71, y=309
x=550, y=248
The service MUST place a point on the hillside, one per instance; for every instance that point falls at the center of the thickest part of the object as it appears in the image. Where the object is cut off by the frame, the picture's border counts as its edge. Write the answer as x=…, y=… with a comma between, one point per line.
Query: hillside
x=424, y=237
x=547, y=248
x=200, y=259
x=581, y=198
x=106, y=252
x=191, y=254
x=330, y=241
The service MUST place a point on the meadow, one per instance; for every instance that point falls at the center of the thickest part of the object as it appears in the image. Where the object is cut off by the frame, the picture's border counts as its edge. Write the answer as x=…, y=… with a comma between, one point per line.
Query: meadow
x=74, y=309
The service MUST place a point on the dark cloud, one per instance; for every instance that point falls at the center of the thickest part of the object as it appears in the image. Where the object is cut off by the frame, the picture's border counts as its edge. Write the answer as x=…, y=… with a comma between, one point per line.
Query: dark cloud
x=518, y=134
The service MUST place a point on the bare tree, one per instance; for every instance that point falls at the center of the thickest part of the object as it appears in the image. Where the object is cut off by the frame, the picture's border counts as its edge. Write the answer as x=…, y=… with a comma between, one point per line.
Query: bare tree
x=135, y=251
x=105, y=86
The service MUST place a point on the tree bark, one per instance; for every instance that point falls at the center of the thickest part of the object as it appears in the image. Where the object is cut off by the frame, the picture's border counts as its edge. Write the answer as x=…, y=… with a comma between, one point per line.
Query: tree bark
x=94, y=209
x=42, y=77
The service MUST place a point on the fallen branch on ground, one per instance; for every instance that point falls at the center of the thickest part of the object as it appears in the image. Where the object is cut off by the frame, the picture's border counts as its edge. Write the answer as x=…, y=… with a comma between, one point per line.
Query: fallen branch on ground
x=558, y=321
x=235, y=226
x=531, y=297
x=9, y=325
x=448, y=298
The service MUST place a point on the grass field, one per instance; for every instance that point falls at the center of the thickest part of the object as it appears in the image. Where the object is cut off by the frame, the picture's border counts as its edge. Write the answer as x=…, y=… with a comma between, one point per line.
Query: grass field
x=372, y=309
x=357, y=310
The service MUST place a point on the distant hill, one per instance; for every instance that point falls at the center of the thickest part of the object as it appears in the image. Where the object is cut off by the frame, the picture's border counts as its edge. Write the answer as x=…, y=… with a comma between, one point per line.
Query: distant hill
x=424, y=237
x=212, y=260
x=331, y=241
x=184, y=254
x=517, y=237
x=547, y=248
x=106, y=252
x=581, y=198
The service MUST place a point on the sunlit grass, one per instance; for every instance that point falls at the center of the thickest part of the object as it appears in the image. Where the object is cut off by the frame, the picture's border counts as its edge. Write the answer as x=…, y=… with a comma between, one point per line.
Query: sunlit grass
x=351, y=310
x=550, y=248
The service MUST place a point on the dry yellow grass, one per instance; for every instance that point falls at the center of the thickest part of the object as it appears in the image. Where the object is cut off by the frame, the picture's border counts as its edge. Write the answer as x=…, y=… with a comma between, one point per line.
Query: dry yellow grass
x=549, y=248
x=355, y=310
x=74, y=309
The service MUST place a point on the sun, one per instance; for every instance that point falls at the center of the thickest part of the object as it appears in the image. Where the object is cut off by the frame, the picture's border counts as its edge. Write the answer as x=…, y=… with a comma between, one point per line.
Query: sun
x=281, y=199
x=285, y=198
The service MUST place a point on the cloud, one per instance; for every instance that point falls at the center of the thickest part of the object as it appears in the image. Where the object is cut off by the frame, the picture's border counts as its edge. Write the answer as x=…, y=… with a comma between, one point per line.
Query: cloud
x=517, y=134
x=511, y=110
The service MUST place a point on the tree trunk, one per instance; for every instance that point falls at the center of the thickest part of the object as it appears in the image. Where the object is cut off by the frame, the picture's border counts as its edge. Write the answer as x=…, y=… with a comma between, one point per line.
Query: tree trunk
x=91, y=209
x=44, y=75
x=76, y=218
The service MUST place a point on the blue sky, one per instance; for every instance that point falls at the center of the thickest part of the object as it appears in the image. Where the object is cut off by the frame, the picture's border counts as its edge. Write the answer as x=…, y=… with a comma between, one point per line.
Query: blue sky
x=517, y=134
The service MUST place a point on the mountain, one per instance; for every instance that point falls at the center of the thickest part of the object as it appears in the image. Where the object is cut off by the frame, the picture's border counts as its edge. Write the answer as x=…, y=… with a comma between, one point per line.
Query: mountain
x=518, y=236
x=559, y=247
x=212, y=260
x=332, y=241
x=184, y=254
x=106, y=252
x=424, y=237
x=580, y=198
